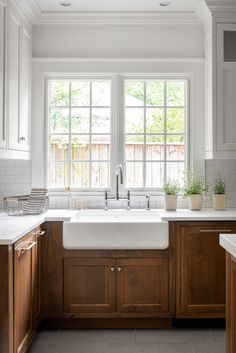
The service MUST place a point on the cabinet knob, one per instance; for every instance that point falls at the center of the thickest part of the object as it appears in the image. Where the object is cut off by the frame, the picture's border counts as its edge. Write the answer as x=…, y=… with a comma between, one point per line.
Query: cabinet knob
x=119, y=269
x=41, y=232
x=112, y=269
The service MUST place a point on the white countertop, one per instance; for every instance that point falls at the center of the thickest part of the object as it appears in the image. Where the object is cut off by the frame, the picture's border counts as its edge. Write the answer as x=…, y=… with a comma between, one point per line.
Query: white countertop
x=206, y=214
x=12, y=228
x=228, y=242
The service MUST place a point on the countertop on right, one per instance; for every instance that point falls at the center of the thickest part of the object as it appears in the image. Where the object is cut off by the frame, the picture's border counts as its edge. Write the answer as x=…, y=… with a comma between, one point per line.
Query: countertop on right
x=228, y=242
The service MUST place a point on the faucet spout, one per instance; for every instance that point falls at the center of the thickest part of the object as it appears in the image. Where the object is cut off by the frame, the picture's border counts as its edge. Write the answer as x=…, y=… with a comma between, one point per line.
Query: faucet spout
x=119, y=172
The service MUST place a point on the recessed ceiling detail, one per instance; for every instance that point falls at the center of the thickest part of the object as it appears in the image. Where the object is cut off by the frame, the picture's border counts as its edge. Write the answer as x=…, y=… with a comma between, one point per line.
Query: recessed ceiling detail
x=54, y=6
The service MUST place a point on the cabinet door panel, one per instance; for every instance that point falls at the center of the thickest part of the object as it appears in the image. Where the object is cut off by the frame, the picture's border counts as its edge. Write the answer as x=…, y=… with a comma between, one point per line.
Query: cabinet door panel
x=25, y=90
x=24, y=289
x=200, y=271
x=231, y=304
x=14, y=80
x=2, y=73
x=142, y=285
x=89, y=285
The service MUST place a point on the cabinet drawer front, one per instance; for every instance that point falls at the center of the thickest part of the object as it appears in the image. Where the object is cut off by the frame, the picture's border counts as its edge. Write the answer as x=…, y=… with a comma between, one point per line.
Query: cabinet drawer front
x=89, y=285
x=143, y=285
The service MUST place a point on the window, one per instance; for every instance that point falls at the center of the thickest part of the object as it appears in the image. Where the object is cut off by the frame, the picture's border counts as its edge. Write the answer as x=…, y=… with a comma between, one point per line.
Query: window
x=155, y=120
x=83, y=135
x=80, y=134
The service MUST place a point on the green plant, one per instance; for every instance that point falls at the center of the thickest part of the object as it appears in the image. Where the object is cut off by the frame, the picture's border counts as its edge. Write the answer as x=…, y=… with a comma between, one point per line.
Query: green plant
x=219, y=186
x=194, y=184
x=170, y=186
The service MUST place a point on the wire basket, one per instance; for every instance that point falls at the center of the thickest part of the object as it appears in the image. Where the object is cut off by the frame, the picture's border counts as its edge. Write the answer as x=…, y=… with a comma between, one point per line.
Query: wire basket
x=15, y=205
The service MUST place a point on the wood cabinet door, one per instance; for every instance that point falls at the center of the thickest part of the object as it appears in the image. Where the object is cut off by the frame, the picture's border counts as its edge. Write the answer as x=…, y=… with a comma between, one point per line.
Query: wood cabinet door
x=89, y=285
x=200, y=281
x=38, y=277
x=231, y=304
x=143, y=285
x=24, y=289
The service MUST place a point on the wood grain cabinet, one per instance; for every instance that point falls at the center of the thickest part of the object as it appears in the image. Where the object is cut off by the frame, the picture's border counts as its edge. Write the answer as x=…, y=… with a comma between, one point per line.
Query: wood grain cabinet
x=24, y=292
x=142, y=285
x=200, y=269
x=116, y=285
x=89, y=285
x=27, y=289
x=231, y=304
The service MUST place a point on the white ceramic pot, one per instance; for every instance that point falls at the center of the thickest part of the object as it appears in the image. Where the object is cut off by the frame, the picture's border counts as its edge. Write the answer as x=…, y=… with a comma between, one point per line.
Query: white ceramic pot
x=195, y=202
x=170, y=202
x=219, y=202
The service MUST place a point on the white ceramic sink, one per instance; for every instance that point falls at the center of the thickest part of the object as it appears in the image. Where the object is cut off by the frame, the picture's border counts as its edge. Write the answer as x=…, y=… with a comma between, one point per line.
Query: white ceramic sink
x=116, y=229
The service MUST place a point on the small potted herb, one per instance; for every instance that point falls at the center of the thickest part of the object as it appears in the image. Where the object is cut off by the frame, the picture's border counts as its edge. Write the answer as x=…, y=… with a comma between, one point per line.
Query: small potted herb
x=219, y=195
x=171, y=188
x=194, y=188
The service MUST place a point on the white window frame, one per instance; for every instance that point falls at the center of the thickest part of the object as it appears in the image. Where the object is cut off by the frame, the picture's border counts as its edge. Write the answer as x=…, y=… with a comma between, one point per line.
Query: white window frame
x=117, y=152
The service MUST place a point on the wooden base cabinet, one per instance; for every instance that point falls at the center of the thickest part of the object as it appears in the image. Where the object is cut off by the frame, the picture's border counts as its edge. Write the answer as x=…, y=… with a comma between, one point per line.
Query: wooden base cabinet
x=143, y=285
x=24, y=289
x=230, y=304
x=89, y=285
x=200, y=269
x=116, y=285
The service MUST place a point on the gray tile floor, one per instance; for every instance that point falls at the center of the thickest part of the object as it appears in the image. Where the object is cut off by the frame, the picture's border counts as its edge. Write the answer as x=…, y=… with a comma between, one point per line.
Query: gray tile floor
x=130, y=341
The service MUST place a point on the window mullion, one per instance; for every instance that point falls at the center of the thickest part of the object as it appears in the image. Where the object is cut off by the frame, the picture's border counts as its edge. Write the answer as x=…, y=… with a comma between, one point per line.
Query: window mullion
x=145, y=138
x=90, y=135
x=70, y=144
x=165, y=129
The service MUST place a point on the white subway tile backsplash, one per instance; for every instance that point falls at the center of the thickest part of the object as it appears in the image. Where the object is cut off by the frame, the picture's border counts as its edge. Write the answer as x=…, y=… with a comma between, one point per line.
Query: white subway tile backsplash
x=15, y=178
x=227, y=169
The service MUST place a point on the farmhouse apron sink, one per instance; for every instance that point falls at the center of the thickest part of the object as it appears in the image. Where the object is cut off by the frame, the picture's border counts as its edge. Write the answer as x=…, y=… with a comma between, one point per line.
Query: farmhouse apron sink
x=116, y=229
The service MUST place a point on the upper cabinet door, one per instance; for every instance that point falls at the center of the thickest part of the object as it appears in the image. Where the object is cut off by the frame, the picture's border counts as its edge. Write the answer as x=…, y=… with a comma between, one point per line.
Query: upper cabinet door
x=19, y=83
x=3, y=14
x=25, y=90
x=14, y=80
x=226, y=87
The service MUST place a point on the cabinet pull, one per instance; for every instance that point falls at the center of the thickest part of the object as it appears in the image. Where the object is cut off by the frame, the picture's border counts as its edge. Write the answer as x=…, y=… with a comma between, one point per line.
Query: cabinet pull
x=215, y=230
x=119, y=269
x=23, y=249
x=112, y=269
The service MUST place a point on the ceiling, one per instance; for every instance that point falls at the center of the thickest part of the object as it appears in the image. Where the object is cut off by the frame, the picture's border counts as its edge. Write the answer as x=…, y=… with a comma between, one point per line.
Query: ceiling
x=95, y=6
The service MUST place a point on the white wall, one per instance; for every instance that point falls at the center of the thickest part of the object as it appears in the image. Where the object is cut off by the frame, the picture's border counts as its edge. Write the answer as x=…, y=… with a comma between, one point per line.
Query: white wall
x=159, y=41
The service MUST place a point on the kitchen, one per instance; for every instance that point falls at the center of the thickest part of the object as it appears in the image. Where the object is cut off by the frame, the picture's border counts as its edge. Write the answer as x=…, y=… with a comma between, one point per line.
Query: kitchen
x=112, y=107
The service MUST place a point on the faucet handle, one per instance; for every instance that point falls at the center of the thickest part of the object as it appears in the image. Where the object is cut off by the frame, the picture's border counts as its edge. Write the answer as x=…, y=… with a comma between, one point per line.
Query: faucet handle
x=128, y=200
x=148, y=199
x=106, y=200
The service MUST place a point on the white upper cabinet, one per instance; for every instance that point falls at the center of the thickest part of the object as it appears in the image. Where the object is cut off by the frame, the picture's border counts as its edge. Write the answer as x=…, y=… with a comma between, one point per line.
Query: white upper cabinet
x=15, y=81
x=226, y=89
x=221, y=88
x=3, y=15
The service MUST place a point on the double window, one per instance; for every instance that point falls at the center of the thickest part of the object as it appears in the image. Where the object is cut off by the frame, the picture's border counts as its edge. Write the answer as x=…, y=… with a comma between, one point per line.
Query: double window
x=96, y=123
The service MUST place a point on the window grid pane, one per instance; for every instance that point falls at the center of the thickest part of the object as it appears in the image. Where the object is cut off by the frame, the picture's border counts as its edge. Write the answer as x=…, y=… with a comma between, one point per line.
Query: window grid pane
x=80, y=136
x=163, y=138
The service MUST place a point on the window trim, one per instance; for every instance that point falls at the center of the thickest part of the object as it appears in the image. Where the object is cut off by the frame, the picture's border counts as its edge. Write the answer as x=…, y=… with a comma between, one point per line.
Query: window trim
x=117, y=125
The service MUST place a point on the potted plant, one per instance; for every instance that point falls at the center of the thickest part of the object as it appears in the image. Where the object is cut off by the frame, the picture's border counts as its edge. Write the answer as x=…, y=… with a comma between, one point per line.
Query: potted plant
x=171, y=188
x=194, y=187
x=219, y=195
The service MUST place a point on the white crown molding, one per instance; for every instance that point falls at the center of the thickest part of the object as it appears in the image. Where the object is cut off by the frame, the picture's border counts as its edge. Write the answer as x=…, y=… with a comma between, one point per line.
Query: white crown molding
x=122, y=18
x=136, y=60
x=203, y=12
x=28, y=10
